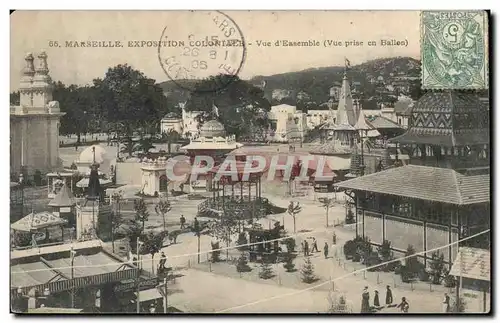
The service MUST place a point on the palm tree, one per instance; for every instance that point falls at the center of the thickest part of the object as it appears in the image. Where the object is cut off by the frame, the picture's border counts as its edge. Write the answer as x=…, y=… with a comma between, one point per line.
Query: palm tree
x=129, y=147
x=170, y=137
x=145, y=145
x=327, y=203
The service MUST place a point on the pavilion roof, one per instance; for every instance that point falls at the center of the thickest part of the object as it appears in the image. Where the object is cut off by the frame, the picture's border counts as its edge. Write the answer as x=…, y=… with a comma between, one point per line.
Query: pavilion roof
x=36, y=221
x=472, y=263
x=64, y=198
x=443, y=185
x=379, y=122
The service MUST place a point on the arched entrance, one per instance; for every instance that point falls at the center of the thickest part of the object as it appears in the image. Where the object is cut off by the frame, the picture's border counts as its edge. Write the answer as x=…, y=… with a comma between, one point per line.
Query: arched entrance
x=163, y=183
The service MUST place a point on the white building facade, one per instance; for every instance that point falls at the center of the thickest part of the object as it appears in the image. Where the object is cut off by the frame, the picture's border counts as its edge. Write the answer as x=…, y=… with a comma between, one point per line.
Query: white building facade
x=34, y=124
x=288, y=123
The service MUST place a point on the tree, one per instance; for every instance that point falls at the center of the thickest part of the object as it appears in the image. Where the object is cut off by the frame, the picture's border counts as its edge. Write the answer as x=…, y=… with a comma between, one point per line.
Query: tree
x=386, y=254
x=412, y=264
x=289, y=265
x=129, y=147
x=293, y=210
x=437, y=267
x=134, y=232
x=170, y=137
x=327, y=203
x=266, y=270
x=307, y=271
x=242, y=241
x=145, y=145
x=153, y=244
x=242, y=264
x=15, y=98
x=242, y=106
x=141, y=211
x=162, y=208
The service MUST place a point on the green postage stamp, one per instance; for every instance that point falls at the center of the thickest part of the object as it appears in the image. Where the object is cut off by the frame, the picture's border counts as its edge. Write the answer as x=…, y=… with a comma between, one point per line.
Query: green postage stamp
x=454, y=49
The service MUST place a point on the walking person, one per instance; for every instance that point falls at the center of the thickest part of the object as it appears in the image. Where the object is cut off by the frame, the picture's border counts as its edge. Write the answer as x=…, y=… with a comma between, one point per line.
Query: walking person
x=404, y=306
x=315, y=246
x=325, y=250
x=183, y=221
x=163, y=261
x=388, y=296
x=334, y=238
x=376, y=301
x=306, y=248
x=446, y=303
x=365, y=301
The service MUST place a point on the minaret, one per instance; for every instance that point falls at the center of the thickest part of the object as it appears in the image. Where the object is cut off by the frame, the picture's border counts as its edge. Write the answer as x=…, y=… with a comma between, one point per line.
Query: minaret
x=26, y=84
x=42, y=83
x=345, y=110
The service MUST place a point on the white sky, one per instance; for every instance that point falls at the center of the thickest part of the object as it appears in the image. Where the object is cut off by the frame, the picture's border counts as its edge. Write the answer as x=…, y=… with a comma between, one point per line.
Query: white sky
x=31, y=31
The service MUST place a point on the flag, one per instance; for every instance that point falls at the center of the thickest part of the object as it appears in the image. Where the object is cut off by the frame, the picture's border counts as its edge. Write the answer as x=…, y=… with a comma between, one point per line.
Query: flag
x=347, y=63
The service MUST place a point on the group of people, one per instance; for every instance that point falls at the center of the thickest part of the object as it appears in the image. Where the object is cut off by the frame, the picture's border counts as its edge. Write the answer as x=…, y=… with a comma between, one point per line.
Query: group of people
x=404, y=306
x=314, y=246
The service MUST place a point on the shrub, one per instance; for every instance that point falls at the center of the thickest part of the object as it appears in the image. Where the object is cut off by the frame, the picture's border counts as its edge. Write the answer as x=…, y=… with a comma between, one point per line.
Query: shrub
x=290, y=244
x=406, y=275
x=412, y=264
x=373, y=260
x=289, y=265
x=242, y=241
x=437, y=267
x=450, y=281
x=350, y=249
x=423, y=275
x=307, y=271
x=349, y=218
x=215, y=252
x=242, y=265
x=266, y=270
x=37, y=178
x=338, y=304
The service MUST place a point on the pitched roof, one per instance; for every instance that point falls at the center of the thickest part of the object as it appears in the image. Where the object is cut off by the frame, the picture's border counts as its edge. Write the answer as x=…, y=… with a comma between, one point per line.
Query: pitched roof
x=379, y=122
x=36, y=221
x=443, y=185
x=403, y=107
x=472, y=263
x=330, y=148
x=63, y=198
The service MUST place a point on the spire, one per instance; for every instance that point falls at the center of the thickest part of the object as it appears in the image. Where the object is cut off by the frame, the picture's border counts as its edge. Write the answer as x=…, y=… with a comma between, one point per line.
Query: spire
x=94, y=188
x=345, y=110
x=361, y=122
x=27, y=76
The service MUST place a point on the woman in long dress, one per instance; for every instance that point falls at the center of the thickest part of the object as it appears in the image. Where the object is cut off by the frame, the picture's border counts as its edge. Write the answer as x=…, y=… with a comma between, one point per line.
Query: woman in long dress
x=376, y=301
x=388, y=296
x=365, y=301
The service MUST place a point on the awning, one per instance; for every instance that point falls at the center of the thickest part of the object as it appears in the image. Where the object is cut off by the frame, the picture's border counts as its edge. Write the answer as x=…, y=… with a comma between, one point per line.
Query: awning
x=473, y=263
x=149, y=294
x=84, y=182
x=37, y=221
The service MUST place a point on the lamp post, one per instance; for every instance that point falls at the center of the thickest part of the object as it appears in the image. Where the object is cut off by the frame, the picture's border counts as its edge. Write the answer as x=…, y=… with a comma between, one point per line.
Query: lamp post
x=138, y=300
x=72, y=257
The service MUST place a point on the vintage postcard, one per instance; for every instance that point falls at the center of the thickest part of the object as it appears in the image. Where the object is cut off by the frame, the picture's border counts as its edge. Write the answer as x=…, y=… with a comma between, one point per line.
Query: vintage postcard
x=250, y=162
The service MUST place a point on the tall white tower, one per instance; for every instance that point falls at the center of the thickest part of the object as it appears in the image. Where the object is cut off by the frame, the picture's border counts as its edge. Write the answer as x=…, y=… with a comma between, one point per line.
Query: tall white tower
x=34, y=124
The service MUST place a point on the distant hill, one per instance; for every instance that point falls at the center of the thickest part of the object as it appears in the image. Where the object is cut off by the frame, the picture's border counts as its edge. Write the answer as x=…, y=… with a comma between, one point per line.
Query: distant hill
x=316, y=82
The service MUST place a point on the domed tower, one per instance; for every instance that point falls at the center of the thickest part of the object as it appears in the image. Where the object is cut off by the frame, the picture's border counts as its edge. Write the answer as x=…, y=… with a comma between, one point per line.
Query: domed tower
x=34, y=123
x=211, y=129
x=448, y=129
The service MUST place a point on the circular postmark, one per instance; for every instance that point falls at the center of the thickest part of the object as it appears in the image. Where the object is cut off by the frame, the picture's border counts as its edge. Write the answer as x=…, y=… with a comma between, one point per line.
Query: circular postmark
x=208, y=47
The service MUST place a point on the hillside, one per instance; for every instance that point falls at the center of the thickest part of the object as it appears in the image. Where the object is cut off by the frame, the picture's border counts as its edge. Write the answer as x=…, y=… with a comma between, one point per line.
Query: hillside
x=316, y=82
